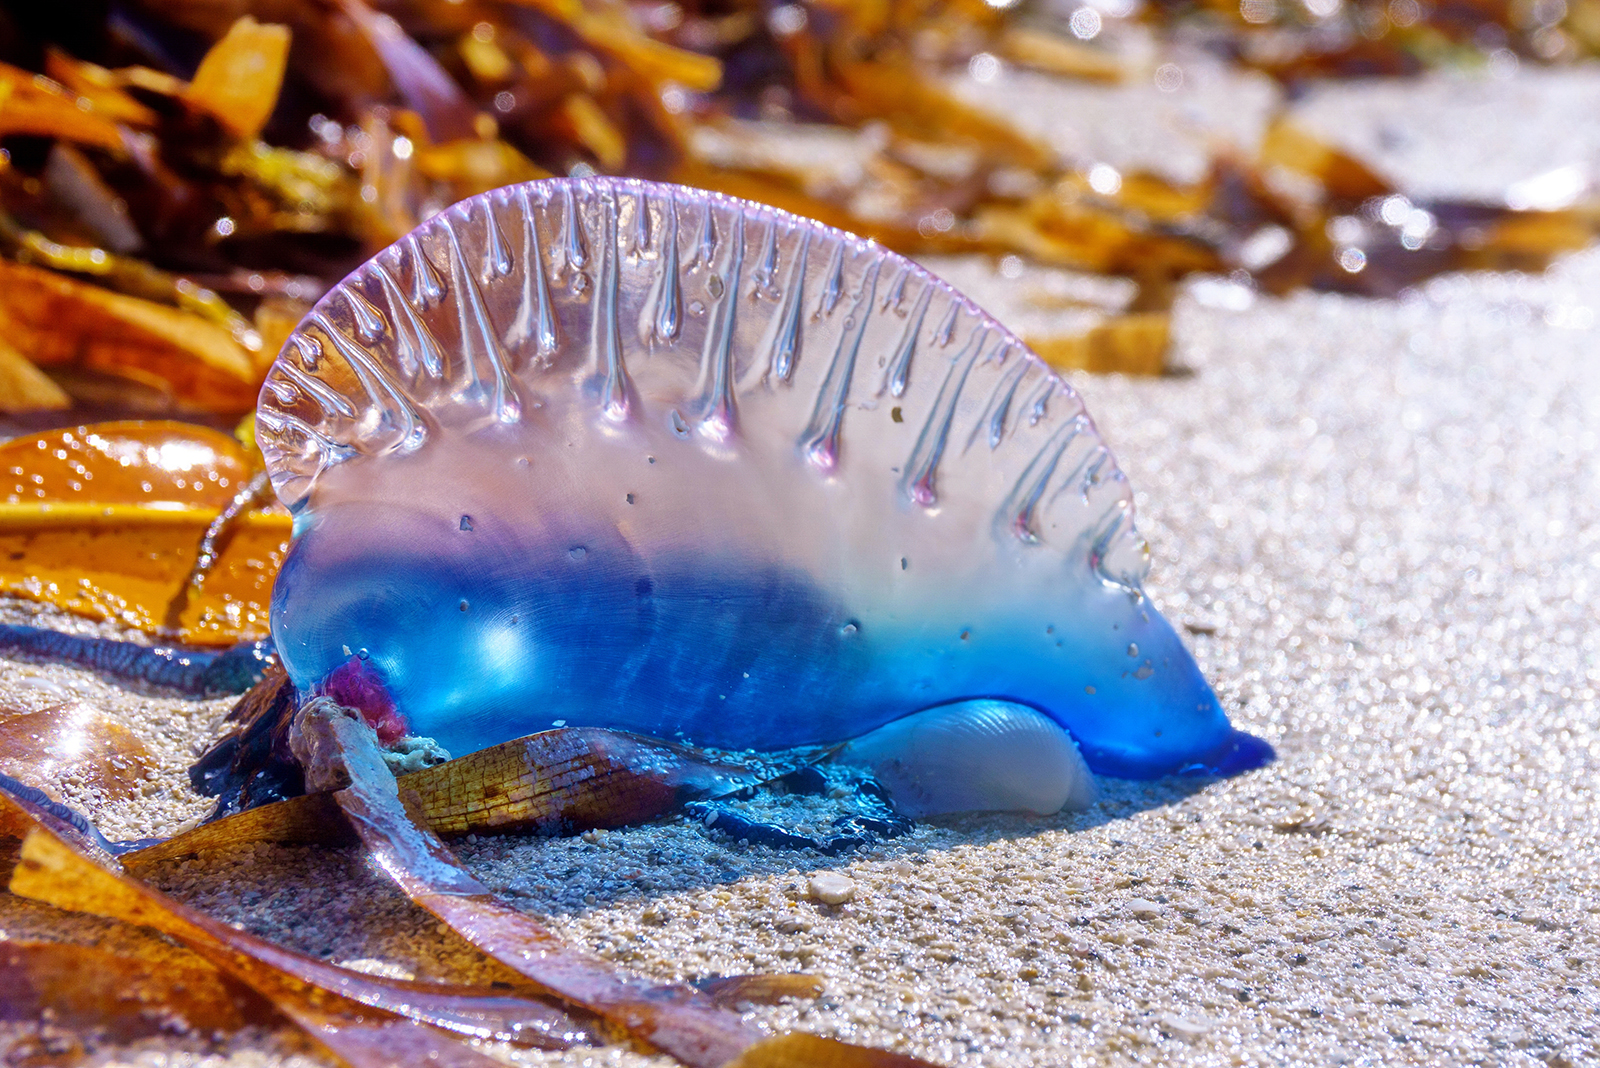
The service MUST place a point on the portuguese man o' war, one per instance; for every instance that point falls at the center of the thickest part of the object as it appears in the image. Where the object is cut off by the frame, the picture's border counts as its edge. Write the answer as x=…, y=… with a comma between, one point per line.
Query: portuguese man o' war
x=602, y=452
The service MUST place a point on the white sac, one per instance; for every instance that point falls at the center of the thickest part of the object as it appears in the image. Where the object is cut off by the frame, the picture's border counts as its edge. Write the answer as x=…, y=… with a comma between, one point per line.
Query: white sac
x=975, y=756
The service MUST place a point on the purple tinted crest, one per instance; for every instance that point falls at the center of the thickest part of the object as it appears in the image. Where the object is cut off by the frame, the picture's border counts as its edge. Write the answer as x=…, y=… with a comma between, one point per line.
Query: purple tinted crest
x=465, y=287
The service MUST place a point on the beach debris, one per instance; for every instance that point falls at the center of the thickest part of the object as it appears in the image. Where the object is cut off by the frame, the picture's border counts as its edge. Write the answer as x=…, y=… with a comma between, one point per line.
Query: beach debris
x=119, y=997
x=736, y=991
x=65, y=738
x=250, y=764
x=1186, y=1027
x=180, y=207
x=52, y=735
x=560, y=781
x=25, y=388
x=557, y=782
x=36, y=107
x=563, y=781
x=160, y=526
x=856, y=808
x=339, y=750
x=238, y=80
x=714, y=372
x=65, y=863
x=799, y=1050
x=1306, y=821
x=831, y=888
x=360, y=1018
x=79, y=329
x=1141, y=909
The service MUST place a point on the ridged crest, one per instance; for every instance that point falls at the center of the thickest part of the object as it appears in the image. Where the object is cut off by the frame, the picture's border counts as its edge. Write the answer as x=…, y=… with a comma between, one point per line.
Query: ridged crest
x=739, y=326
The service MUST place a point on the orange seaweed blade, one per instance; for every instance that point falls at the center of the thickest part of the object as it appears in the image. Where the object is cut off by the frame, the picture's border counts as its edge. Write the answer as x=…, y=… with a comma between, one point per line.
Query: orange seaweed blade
x=798, y=1050
x=25, y=388
x=71, y=739
x=679, y=1021
x=33, y=104
x=99, y=86
x=107, y=520
x=335, y=746
x=121, y=995
x=239, y=78
x=351, y=1012
x=57, y=321
x=574, y=778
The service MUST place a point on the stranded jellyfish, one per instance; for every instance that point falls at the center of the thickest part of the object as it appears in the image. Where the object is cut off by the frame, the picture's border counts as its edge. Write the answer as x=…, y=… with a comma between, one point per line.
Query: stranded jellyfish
x=602, y=452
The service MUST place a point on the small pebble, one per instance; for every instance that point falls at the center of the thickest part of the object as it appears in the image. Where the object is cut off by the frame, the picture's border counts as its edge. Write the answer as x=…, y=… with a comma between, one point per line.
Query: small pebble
x=1140, y=909
x=830, y=888
x=374, y=966
x=34, y=682
x=1185, y=1027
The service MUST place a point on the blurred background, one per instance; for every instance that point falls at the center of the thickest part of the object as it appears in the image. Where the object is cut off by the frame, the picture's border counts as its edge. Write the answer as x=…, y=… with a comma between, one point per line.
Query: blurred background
x=181, y=179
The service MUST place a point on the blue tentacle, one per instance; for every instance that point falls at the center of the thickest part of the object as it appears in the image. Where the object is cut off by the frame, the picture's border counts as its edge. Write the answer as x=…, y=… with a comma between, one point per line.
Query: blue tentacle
x=74, y=823
x=194, y=673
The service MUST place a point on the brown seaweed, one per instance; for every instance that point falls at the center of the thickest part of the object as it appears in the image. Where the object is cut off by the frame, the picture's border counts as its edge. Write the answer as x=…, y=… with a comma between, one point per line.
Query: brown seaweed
x=61, y=323
x=121, y=997
x=796, y=1050
x=556, y=782
x=154, y=525
x=69, y=740
x=735, y=991
x=238, y=80
x=340, y=752
x=352, y=1013
x=357, y=1016
x=296, y=148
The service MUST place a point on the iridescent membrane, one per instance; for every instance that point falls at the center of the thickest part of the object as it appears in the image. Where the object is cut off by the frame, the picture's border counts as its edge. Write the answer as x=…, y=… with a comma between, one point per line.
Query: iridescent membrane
x=608, y=453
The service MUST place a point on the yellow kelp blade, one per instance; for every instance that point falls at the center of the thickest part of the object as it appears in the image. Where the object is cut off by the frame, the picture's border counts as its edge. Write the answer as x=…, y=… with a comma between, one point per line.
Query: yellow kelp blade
x=122, y=996
x=106, y=521
x=365, y=1020
x=239, y=78
x=796, y=1050
x=70, y=739
x=34, y=105
x=99, y=86
x=336, y=748
x=25, y=388
x=76, y=329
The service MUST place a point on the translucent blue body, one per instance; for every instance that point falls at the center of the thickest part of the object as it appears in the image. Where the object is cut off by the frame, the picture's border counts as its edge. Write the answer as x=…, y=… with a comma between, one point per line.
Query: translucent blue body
x=567, y=457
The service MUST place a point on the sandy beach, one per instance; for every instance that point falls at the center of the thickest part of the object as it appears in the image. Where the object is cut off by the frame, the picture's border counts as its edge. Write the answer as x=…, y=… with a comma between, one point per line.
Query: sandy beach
x=1377, y=521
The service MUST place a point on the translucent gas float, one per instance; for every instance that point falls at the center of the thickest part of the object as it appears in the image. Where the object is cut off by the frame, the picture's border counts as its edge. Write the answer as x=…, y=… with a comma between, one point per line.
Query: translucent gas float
x=601, y=452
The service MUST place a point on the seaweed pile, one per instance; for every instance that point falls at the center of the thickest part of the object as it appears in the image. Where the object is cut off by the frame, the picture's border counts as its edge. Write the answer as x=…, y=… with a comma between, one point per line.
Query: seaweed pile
x=180, y=180
x=206, y=979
